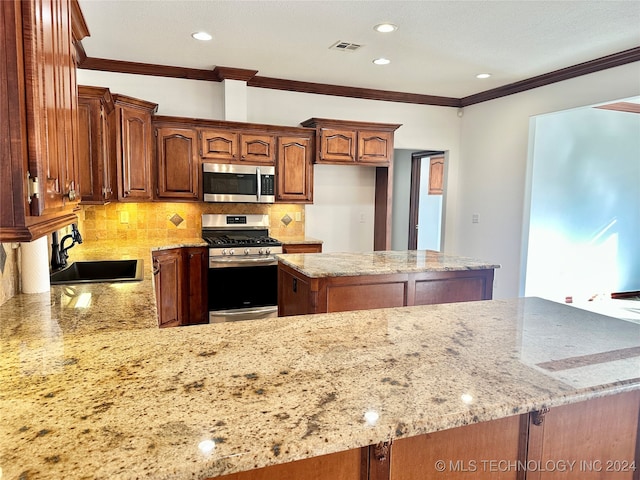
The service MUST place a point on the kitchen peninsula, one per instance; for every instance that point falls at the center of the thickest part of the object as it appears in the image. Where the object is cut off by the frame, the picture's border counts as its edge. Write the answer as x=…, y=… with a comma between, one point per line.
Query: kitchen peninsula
x=335, y=282
x=320, y=391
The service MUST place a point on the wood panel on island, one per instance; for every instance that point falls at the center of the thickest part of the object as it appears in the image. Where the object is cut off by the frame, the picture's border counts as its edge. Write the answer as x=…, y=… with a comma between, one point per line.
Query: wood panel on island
x=594, y=439
x=38, y=97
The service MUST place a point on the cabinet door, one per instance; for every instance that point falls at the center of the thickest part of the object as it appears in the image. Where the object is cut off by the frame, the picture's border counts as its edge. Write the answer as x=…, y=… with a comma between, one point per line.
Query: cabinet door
x=135, y=182
x=302, y=248
x=176, y=153
x=51, y=107
x=88, y=149
x=294, y=171
x=96, y=146
x=167, y=269
x=600, y=435
x=219, y=145
x=375, y=147
x=196, y=263
x=337, y=146
x=257, y=149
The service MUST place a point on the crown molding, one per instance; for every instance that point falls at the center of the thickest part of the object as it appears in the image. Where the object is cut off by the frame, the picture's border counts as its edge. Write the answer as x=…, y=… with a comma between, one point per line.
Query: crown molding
x=592, y=66
x=229, y=73
x=353, y=92
x=221, y=73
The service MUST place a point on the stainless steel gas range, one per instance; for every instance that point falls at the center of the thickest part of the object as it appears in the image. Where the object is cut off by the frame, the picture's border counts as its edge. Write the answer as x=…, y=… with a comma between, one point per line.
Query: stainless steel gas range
x=243, y=271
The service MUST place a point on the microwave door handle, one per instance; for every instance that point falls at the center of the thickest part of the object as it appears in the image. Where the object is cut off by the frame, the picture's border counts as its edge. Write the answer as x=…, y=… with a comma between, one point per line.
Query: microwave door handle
x=258, y=178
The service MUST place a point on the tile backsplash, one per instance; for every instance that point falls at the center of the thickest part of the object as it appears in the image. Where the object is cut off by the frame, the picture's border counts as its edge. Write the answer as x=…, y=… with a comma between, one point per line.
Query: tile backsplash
x=172, y=220
x=9, y=279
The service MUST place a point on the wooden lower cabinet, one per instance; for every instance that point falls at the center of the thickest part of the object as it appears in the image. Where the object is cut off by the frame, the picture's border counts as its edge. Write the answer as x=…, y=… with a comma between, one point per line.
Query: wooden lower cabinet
x=167, y=273
x=591, y=440
x=302, y=248
x=345, y=465
x=299, y=294
x=180, y=276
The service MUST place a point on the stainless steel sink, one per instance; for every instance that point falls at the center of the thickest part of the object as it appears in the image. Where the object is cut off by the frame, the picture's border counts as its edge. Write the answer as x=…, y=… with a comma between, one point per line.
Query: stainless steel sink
x=100, y=271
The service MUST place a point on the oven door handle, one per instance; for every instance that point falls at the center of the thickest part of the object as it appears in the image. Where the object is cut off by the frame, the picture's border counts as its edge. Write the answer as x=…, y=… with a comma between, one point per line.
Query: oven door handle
x=246, y=311
x=234, y=262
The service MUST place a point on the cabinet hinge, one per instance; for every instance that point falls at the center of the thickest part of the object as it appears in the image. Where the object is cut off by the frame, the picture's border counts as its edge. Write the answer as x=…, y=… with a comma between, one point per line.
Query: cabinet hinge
x=32, y=187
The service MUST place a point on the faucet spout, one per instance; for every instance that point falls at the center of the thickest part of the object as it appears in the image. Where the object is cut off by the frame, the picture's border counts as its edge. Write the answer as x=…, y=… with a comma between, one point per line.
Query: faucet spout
x=75, y=238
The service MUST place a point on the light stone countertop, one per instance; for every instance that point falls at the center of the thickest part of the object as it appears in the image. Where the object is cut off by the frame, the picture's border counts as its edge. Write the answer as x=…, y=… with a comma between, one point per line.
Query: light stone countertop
x=137, y=403
x=299, y=240
x=91, y=307
x=318, y=265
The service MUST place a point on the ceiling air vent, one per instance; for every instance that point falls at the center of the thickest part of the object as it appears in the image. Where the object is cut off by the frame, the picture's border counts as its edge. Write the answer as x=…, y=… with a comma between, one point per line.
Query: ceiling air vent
x=345, y=46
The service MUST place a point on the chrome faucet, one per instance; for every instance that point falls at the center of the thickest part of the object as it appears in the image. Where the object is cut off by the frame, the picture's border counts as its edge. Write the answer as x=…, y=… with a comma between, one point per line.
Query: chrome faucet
x=59, y=255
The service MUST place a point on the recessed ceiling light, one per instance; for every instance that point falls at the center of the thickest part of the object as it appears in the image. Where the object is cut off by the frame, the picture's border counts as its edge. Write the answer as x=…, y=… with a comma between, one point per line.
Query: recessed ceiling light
x=483, y=75
x=381, y=61
x=385, y=27
x=201, y=36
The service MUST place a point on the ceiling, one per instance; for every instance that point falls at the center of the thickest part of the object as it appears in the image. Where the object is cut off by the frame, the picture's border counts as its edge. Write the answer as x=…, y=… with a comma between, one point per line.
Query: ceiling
x=438, y=48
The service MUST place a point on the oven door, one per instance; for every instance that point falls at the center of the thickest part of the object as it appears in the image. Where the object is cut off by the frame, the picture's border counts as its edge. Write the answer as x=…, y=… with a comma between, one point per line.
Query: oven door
x=242, y=289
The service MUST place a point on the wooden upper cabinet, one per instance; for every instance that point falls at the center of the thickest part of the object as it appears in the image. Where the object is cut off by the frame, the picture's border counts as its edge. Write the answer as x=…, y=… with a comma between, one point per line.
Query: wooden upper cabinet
x=233, y=146
x=134, y=148
x=436, y=175
x=344, y=142
x=96, y=145
x=294, y=170
x=39, y=117
x=375, y=147
x=337, y=146
x=178, y=163
x=219, y=145
x=258, y=149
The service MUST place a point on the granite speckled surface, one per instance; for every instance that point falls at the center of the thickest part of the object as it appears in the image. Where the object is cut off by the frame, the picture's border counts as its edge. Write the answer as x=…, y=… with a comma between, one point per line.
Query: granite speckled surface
x=138, y=403
x=299, y=239
x=348, y=264
x=91, y=307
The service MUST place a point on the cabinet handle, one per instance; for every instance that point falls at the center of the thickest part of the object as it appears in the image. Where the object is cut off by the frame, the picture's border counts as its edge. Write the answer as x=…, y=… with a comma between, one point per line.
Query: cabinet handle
x=72, y=194
x=156, y=267
x=537, y=417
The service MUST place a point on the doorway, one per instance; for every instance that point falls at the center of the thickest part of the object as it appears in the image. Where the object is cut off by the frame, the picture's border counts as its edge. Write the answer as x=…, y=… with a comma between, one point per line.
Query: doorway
x=418, y=199
x=425, y=201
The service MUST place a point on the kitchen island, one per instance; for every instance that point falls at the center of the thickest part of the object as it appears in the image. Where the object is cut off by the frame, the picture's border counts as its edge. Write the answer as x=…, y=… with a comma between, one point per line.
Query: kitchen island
x=336, y=282
x=316, y=393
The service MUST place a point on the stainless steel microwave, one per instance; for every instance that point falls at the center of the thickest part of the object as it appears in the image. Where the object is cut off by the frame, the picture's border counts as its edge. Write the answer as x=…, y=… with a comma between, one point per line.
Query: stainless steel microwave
x=238, y=183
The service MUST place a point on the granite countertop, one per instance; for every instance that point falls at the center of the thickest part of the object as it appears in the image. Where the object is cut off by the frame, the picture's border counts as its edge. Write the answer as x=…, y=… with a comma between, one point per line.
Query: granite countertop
x=207, y=400
x=303, y=239
x=91, y=307
x=320, y=265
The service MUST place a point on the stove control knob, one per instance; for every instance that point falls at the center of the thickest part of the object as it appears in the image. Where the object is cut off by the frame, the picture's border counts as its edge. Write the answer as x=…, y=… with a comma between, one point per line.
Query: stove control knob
x=261, y=251
x=246, y=251
x=232, y=251
x=268, y=251
x=224, y=251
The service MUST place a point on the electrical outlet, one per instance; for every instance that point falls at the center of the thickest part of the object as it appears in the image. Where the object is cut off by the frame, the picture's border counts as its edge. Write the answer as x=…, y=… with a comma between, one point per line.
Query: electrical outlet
x=124, y=217
x=298, y=216
x=361, y=217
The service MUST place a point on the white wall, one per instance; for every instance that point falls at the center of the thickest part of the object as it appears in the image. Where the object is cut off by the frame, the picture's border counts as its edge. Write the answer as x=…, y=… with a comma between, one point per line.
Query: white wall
x=343, y=196
x=174, y=96
x=487, y=152
x=492, y=170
